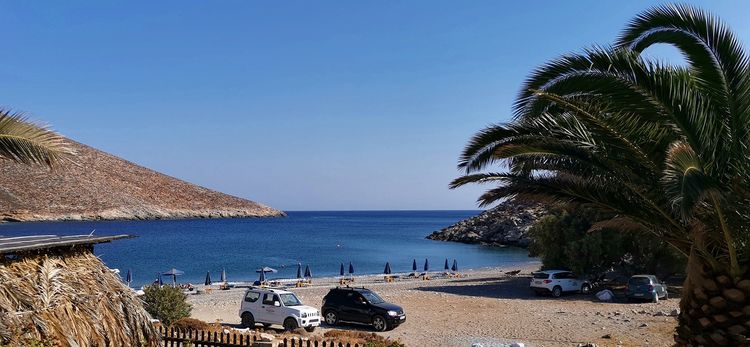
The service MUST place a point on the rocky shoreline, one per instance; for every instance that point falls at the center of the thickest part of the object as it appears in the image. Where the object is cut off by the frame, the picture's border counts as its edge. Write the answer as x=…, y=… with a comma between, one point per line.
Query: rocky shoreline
x=504, y=225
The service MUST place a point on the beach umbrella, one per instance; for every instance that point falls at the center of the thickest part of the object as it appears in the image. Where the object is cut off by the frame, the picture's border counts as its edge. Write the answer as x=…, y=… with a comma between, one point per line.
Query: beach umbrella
x=446, y=268
x=308, y=273
x=414, y=265
x=426, y=265
x=208, y=278
x=158, y=279
x=351, y=268
x=223, y=275
x=128, y=278
x=387, y=270
x=455, y=265
x=266, y=269
x=299, y=270
x=341, y=270
x=262, y=277
x=174, y=273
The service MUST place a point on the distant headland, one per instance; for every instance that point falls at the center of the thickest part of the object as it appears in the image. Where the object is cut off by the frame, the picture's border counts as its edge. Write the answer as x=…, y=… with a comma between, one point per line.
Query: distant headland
x=95, y=185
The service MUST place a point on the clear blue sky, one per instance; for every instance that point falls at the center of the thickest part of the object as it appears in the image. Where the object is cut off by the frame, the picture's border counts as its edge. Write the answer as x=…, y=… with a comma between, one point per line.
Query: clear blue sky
x=309, y=105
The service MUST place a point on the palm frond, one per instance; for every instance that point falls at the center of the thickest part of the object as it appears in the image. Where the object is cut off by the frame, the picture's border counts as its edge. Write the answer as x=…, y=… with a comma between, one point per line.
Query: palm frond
x=29, y=143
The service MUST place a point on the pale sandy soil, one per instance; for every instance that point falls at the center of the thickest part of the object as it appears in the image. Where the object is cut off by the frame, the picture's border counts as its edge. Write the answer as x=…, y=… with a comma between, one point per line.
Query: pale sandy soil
x=485, y=307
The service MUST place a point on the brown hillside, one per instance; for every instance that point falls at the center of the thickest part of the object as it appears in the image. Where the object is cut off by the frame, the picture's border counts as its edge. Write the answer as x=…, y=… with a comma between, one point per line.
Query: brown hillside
x=97, y=185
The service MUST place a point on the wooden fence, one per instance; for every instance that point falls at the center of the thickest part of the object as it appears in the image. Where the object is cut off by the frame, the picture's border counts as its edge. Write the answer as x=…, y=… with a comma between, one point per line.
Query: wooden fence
x=197, y=338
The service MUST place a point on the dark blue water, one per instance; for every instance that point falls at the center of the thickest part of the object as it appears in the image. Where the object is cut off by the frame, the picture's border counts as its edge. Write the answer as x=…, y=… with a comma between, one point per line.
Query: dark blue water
x=321, y=239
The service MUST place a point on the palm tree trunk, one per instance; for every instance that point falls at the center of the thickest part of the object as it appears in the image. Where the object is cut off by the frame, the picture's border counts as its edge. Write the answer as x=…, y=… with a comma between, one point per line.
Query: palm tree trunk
x=715, y=308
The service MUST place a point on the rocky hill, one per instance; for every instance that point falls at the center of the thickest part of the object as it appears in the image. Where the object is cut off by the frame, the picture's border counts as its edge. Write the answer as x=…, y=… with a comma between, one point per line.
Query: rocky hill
x=97, y=185
x=504, y=225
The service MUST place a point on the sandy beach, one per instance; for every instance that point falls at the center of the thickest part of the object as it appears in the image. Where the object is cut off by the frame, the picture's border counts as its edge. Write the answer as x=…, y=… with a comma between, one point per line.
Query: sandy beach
x=485, y=307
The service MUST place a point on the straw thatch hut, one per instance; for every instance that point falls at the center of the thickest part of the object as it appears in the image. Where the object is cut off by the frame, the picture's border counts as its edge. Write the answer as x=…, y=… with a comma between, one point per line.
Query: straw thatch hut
x=54, y=289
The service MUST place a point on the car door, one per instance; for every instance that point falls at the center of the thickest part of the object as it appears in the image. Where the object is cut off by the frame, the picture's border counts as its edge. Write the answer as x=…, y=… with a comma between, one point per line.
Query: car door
x=269, y=312
x=361, y=310
x=349, y=307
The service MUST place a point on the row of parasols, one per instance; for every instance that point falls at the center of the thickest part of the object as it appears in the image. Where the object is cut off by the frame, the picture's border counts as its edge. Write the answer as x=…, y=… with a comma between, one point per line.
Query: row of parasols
x=307, y=274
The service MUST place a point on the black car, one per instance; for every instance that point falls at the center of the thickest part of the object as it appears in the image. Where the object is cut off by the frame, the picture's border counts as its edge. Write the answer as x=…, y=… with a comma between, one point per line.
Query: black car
x=361, y=305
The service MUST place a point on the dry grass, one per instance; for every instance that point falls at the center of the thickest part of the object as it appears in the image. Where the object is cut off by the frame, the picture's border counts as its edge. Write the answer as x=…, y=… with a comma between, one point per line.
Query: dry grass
x=71, y=299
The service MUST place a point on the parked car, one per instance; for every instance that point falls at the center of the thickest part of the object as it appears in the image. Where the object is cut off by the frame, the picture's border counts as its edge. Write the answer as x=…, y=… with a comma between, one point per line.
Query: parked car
x=274, y=306
x=645, y=287
x=363, y=306
x=557, y=282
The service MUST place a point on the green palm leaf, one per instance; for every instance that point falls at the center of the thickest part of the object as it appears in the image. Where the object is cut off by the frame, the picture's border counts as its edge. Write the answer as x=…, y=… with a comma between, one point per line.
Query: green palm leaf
x=29, y=143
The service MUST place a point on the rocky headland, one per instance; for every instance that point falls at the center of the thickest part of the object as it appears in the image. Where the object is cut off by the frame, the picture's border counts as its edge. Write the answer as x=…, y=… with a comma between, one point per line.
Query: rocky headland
x=504, y=225
x=94, y=185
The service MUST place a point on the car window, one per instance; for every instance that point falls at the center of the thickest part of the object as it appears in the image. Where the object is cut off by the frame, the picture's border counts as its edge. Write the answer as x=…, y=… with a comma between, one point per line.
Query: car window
x=290, y=300
x=372, y=297
x=560, y=275
x=269, y=298
x=639, y=280
x=541, y=275
x=252, y=296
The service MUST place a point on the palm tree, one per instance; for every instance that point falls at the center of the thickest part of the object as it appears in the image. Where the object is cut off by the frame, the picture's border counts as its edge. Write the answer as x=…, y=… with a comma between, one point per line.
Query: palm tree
x=664, y=148
x=29, y=143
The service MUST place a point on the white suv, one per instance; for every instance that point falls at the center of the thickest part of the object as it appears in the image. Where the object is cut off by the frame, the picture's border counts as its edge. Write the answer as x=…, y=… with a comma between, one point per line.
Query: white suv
x=274, y=306
x=557, y=282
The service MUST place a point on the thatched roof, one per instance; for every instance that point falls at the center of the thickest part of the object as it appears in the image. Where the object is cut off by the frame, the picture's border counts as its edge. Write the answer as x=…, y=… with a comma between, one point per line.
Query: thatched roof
x=65, y=294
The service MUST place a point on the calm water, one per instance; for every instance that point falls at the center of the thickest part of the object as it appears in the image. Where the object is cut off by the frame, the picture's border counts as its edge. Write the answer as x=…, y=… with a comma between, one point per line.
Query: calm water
x=321, y=239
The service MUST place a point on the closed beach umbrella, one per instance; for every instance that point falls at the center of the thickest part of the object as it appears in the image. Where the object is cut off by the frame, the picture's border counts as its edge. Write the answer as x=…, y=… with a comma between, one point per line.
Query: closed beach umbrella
x=208, y=278
x=446, y=268
x=174, y=273
x=387, y=270
x=341, y=270
x=128, y=278
x=455, y=265
x=223, y=275
x=308, y=273
x=426, y=265
x=351, y=268
x=299, y=270
x=414, y=265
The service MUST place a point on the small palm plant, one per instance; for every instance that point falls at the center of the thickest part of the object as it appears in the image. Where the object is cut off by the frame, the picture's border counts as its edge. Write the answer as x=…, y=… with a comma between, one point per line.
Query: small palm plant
x=664, y=148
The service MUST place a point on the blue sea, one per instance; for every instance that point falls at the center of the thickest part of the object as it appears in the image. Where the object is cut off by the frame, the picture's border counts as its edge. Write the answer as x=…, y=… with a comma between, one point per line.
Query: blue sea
x=322, y=240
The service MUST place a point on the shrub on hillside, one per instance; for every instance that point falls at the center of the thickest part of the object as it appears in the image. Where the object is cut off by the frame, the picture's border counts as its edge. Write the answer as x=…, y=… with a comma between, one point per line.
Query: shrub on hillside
x=165, y=303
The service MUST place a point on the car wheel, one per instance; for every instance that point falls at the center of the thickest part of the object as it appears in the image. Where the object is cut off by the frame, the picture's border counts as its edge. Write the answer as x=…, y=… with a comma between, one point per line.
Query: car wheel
x=290, y=324
x=666, y=295
x=557, y=291
x=248, y=321
x=656, y=298
x=310, y=329
x=379, y=323
x=331, y=318
x=585, y=288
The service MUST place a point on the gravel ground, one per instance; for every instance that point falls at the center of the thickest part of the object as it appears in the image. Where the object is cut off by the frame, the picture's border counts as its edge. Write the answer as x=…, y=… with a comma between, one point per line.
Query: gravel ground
x=485, y=307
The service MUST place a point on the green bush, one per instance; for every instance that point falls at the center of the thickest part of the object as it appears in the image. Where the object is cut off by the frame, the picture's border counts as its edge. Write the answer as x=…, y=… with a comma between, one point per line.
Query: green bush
x=563, y=240
x=165, y=303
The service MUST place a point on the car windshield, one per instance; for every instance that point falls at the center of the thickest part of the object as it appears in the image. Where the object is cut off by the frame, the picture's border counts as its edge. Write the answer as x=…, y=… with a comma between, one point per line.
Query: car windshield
x=290, y=300
x=541, y=275
x=372, y=297
x=639, y=281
